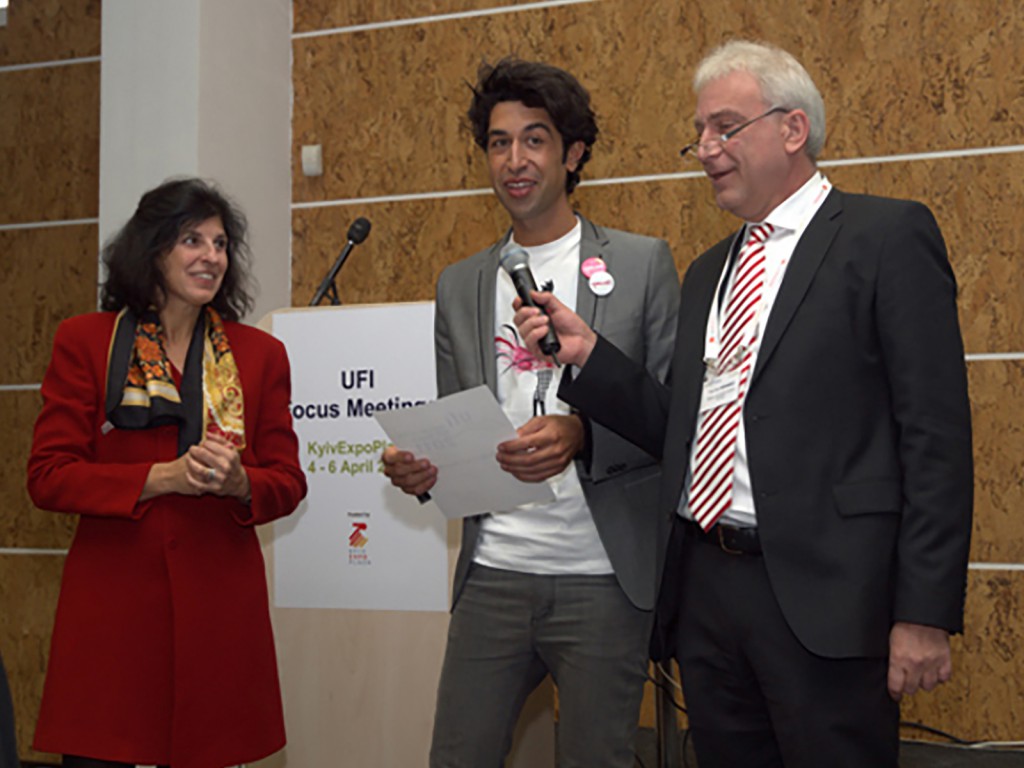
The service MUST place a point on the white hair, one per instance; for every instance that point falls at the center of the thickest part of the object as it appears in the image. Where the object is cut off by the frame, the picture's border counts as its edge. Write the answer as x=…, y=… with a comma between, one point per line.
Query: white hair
x=783, y=81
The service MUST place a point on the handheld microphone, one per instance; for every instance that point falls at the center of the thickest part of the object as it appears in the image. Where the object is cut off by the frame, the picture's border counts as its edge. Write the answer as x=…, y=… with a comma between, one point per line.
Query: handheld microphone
x=356, y=234
x=516, y=261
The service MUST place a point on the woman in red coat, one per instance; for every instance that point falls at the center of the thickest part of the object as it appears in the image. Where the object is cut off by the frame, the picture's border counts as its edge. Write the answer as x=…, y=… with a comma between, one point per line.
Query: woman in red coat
x=165, y=428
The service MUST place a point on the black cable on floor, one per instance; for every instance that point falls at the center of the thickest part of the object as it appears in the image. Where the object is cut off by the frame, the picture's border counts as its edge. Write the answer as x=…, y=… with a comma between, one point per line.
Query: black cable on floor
x=935, y=732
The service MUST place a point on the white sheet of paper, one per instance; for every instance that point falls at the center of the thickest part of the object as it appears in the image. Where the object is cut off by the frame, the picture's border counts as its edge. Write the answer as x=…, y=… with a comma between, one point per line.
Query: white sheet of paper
x=459, y=434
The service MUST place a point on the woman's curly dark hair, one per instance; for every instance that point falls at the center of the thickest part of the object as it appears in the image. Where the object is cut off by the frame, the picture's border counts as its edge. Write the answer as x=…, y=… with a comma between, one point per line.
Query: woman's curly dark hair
x=132, y=256
x=538, y=86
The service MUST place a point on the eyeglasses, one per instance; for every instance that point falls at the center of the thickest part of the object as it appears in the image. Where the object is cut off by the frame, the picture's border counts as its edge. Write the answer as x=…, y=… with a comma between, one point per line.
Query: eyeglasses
x=690, y=151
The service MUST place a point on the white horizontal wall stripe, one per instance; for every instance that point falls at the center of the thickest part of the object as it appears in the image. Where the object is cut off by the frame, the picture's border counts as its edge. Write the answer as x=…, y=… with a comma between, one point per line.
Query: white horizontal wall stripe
x=19, y=387
x=439, y=17
x=986, y=356
x=45, y=64
x=45, y=224
x=642, y=179
x=950, y=154
x=995, y=567
x=676, y=176
x=27, y=551
x=945, y=154
x=394, y=198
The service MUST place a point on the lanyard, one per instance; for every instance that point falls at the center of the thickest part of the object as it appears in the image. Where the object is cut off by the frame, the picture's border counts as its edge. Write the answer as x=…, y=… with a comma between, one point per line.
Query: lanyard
x=713, y=330
x=773, y=274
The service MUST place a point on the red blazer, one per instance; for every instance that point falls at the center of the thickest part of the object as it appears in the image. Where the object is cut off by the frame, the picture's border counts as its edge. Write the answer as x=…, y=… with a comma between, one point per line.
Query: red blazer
x=162, y=650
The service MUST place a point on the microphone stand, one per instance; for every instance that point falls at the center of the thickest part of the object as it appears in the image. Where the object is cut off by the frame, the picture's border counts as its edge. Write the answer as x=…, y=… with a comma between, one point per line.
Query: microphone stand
x=327, y=286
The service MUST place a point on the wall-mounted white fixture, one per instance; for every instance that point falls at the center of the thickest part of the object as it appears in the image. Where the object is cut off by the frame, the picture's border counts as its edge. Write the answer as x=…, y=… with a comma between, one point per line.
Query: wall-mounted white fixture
x=312, y=160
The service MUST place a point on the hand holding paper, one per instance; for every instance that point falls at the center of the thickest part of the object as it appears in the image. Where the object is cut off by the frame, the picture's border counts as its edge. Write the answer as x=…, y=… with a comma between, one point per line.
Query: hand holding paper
x=408, y=473
x=459, y=436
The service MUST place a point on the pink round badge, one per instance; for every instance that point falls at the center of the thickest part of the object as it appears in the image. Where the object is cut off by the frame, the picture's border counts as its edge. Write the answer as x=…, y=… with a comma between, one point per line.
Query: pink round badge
x=592, y=266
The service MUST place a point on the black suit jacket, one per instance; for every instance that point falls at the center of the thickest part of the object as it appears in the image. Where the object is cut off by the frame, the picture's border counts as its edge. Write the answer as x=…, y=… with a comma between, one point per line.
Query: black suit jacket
x=857, y=425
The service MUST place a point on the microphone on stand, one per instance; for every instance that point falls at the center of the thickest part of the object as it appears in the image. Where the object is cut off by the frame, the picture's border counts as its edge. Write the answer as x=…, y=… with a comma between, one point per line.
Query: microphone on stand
x=356, y=234
x=516, y=261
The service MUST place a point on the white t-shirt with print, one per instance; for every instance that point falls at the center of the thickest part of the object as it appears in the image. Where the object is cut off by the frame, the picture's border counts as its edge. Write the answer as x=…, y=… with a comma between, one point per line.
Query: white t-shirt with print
x=559, y=537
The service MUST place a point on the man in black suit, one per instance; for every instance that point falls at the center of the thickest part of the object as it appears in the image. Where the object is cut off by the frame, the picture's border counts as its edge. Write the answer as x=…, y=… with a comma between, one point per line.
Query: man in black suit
x=815, y=440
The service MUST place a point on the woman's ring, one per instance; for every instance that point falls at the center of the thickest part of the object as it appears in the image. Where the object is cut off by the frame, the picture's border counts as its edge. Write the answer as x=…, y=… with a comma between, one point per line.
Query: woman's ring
x=211, y=475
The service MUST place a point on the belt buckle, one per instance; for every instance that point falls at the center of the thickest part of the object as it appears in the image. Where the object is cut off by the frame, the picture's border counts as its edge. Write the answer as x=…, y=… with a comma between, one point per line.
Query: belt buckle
x=721, y=542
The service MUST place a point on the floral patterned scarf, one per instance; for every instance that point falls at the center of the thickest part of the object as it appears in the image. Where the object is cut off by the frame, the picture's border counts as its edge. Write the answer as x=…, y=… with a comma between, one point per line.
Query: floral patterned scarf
x=141, y=392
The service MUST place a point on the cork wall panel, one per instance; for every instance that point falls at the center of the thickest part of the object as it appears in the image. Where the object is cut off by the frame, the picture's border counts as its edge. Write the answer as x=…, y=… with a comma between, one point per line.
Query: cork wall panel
x=982, y=701
x=681, y=212
x=49, y=143
x=313, y=15
x=977, y=220
x=21, y=524
x=408, y=246
x=29, y=586
x=411, y=242
x=976, y=201
x=997, y=410
x=387, y=104
x=896, y=77
x=50, y=30
x=46, y=275
x=914, y=77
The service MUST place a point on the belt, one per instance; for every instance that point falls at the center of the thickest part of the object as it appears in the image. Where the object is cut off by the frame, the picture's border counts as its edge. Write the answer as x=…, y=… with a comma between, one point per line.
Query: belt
x=728, y=538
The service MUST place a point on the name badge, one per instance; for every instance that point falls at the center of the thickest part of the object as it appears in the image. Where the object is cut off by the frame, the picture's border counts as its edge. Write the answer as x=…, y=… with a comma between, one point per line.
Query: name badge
x=721, y=389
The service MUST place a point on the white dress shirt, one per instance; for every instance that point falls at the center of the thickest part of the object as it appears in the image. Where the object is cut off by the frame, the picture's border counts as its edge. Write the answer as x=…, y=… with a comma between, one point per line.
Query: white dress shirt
x=790, y=220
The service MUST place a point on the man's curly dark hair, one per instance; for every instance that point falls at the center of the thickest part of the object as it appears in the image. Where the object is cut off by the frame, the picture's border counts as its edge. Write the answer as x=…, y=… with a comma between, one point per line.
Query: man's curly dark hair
x=538, y=86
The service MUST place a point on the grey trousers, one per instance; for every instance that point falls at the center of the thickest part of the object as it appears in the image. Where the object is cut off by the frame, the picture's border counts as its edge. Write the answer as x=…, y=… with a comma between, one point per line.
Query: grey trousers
x=508, y=631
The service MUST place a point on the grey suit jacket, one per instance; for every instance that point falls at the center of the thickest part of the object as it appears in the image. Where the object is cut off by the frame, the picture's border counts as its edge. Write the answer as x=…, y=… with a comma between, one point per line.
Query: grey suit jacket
x=620, y=481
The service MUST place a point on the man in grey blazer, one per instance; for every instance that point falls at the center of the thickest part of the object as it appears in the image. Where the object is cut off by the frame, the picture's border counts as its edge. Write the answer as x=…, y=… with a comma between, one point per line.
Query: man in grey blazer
x=565, y=588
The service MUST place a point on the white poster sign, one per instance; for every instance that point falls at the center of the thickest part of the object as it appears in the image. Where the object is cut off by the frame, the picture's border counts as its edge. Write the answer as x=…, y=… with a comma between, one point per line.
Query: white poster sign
x=356, y=542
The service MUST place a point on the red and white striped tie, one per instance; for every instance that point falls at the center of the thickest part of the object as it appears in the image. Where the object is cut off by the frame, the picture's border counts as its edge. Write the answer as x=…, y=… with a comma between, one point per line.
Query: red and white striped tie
x=715, y=457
